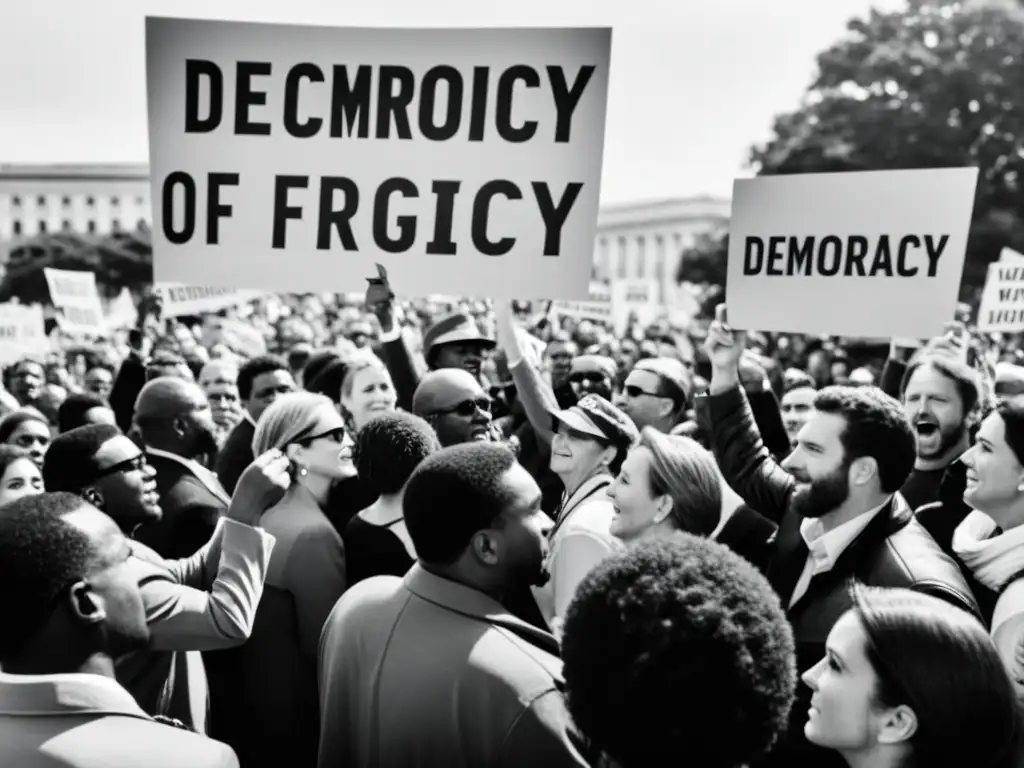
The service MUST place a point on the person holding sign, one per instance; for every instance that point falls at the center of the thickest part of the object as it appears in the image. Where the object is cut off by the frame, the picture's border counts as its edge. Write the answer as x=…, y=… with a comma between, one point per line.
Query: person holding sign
x=836, y=502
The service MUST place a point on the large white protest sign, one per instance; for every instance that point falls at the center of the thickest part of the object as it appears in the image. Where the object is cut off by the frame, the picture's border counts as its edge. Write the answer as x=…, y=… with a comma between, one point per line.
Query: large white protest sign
x=291, y=159
x=876, y=253
x=1002, y=301
x=74, y=293
x=22, y=332
x=178, y=300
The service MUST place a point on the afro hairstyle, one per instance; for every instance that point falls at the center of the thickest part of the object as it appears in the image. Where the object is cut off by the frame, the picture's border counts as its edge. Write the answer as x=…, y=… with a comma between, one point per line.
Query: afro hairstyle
x=678, y=652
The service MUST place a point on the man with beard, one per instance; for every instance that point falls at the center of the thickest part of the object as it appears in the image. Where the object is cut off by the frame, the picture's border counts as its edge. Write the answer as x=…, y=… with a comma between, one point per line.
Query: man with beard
x=940, y=394
x=175, y=423
x=839, y=514
x=489, y=691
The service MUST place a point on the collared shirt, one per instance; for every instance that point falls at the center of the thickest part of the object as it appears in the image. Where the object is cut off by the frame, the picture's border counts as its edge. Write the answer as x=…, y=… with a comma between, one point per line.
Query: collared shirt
x=825, y=547
x=85, y=719
x=207, y=477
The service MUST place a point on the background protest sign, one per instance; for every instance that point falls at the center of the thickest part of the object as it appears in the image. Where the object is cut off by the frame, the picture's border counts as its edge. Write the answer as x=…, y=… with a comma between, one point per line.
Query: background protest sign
x=179, y=300
x=1002, y=301
x=597, y=310
x=291, y=159
x=22, y=332
x=876, y=253
x=634, y=297
x=74, y=293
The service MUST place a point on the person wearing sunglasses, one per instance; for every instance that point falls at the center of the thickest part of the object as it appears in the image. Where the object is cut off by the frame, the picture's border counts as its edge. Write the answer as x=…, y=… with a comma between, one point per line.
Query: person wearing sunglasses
x=657, y=393
x=455, y=405
x=265, y=692
x=592, y=375
x=200, y=603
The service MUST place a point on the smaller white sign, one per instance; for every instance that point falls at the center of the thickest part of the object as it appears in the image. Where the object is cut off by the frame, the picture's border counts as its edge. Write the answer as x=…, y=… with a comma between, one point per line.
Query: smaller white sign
x=74, y=293
x=634, y=297
x=179, y=300
x=1002, y=302
x=877, y=253
x=22, y=332
x=597, y=310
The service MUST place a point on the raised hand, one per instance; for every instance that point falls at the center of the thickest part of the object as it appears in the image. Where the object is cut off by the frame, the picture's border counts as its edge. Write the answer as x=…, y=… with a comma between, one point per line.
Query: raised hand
x=260, y=487
x=723, y=345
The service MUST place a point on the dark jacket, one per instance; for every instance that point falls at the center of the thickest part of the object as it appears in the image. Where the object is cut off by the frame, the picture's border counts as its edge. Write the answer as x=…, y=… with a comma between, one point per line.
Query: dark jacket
x=235, y=455
x=893, y=551
x=190, y=511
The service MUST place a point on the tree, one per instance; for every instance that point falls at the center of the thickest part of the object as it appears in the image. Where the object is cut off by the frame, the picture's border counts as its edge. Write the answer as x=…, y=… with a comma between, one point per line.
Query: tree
x=936, y=85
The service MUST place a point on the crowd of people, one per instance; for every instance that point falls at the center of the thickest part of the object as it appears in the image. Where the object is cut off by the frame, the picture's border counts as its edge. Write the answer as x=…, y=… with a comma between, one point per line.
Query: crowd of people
x=482, y=534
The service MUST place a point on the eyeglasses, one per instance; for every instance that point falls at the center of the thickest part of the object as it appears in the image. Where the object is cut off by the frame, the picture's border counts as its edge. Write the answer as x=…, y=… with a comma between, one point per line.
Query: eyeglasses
x=135, y=464
x=336, y=435
x=590, y=376
x=635, y=391
x=467, y=408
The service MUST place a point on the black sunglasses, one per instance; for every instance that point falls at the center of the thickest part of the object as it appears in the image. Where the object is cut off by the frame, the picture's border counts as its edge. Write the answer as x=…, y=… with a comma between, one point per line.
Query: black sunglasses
x=134, y=464
x=590, y=376
x=468, y=408
x=336, y=435
x=635, y=391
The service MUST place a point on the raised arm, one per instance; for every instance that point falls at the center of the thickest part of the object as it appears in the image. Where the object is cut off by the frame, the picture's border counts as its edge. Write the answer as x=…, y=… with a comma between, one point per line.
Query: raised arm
x=185, y=612
x=745, y=462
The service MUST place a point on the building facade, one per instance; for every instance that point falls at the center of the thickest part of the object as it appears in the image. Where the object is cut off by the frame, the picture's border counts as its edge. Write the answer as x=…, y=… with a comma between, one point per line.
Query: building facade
x=645, y=241
x=88, y=199
x=635, y=241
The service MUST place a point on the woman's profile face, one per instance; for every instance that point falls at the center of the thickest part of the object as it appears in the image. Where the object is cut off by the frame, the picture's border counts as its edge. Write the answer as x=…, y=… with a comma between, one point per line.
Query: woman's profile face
x=632, y=499
x=844, y=713
x=993, y=472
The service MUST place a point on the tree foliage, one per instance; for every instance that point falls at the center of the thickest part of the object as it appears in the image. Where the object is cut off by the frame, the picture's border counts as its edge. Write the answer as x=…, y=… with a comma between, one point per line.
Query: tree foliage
x=936, y=85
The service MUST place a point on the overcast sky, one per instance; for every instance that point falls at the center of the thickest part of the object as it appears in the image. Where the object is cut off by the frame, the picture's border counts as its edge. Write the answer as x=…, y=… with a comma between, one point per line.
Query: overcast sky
x=693, y=84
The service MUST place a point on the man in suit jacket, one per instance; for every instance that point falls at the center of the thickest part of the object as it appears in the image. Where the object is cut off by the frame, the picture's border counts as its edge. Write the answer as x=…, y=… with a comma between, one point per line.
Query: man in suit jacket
x=489, y=694
x=260, y=381
x=840, y=516
x=174, y=420
x=72, y=607
x=202, y=603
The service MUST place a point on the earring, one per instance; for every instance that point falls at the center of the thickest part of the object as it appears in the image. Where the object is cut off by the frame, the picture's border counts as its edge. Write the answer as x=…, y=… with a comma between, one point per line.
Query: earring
x=303, y=471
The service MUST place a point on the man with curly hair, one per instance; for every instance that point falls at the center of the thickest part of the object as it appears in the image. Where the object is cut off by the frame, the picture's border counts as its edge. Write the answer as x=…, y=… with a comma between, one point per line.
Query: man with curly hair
x=678, y=652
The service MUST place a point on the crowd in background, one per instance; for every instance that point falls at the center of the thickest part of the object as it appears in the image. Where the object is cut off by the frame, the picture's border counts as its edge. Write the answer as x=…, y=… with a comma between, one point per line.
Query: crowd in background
x=469, y=532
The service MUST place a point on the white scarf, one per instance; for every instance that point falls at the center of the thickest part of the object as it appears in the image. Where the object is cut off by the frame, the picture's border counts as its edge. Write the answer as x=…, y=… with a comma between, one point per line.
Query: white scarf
x=993, y=561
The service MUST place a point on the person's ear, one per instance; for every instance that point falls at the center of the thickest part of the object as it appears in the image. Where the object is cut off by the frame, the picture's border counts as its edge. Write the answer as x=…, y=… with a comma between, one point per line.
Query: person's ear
x=899, y=726
x=94, y=497
x=486, y=547
x=86, y=605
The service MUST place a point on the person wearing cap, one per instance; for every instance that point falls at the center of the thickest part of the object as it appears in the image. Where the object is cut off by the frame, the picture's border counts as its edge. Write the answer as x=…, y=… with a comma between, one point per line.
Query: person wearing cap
x=455, y=405
x=591, y=441
x=454, y=342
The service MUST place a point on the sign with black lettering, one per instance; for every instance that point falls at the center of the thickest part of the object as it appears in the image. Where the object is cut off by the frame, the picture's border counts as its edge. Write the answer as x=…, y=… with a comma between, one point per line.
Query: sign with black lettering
x=21, y=332
x=181, y=300
x=75, y=296
x=292, y=159
x=1002, y=301
x=877, y=253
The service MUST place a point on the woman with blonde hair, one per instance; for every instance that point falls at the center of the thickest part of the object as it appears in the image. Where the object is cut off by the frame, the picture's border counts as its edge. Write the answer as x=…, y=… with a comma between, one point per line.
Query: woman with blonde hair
x=270, y=683
x=667, y=483
x=366, y=390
